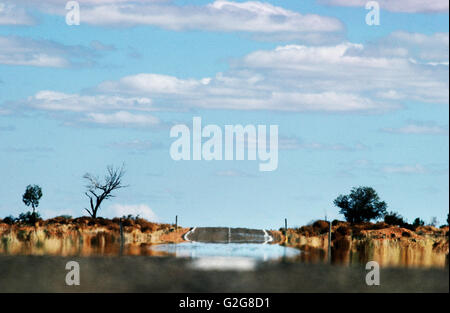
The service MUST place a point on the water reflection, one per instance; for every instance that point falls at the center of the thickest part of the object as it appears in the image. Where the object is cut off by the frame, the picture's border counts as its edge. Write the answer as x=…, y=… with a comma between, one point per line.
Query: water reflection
x=261, y=252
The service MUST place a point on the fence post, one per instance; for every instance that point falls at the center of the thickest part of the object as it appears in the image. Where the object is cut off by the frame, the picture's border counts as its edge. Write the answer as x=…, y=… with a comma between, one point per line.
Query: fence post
x=285, y=230
x=329, y=243
x=121, y=236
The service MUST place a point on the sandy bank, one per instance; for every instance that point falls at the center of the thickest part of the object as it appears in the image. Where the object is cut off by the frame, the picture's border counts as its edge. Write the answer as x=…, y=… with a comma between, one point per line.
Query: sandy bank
x=425, y=246
x=86, y=237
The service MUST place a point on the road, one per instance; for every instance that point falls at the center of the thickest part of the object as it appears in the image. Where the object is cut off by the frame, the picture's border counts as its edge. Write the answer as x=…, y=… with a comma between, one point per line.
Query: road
x=227, y=235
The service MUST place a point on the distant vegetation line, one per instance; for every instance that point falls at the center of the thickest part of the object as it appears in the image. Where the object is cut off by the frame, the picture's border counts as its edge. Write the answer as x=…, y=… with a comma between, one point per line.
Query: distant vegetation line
x=361, y=205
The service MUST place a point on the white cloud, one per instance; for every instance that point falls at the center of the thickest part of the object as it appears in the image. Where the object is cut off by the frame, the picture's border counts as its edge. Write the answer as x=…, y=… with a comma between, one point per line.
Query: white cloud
x=217, y=16
x=420, y=48
x=10, y=14
x=89, y=2
x=57, y=101
x=418, y=129
x=390, y=94
x=405, y=169
x=91, y=108
x=122, y=118
x=340, y=78
x=225, y=16
x=143, y=210
x=343, y=78
x=347, y=68
x=19, y=51
x=150, y=84
x=407, y=6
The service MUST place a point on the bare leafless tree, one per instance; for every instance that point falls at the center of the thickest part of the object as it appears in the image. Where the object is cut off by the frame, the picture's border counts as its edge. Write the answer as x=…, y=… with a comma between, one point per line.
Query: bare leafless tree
x=98, y=191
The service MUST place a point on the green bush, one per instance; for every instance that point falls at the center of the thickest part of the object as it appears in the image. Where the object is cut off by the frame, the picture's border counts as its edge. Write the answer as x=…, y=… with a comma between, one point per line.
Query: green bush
x=362, y=205
x=29, y=218
x=418, y=222
x=9, y=220
x=393, y=218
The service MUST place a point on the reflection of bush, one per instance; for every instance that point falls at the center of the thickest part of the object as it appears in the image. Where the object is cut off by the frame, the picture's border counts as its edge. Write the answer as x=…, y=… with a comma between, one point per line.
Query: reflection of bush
x=23, y=235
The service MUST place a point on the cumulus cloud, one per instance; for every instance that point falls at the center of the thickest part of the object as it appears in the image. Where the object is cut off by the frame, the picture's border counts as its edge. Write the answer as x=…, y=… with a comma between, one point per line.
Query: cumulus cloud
x=349, y=68
x=57, y=101
x=143, y=210
x=151, y=84
x=224, y=16
x=106, y=110
x=419, y=48
x=339, y=78
x=406, y=6
x=342, y=78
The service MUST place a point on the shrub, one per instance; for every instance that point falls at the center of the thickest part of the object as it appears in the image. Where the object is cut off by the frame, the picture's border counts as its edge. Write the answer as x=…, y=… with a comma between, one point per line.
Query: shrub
x=339, y=223
x=29, y=218
x=406, y=234
x=380, y=225
x=344, y=230
x=146, y=225
x=418, y=222
x=393, y=218
x=321, y=227
x=9, y=220
x=307, y=230
x=63, y=219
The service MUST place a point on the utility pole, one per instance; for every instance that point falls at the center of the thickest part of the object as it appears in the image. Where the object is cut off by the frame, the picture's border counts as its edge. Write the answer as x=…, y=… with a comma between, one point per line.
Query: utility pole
x=176, y=222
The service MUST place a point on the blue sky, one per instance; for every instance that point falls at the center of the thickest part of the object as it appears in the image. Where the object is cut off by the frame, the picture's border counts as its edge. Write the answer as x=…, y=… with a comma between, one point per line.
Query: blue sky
x=355, y=105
